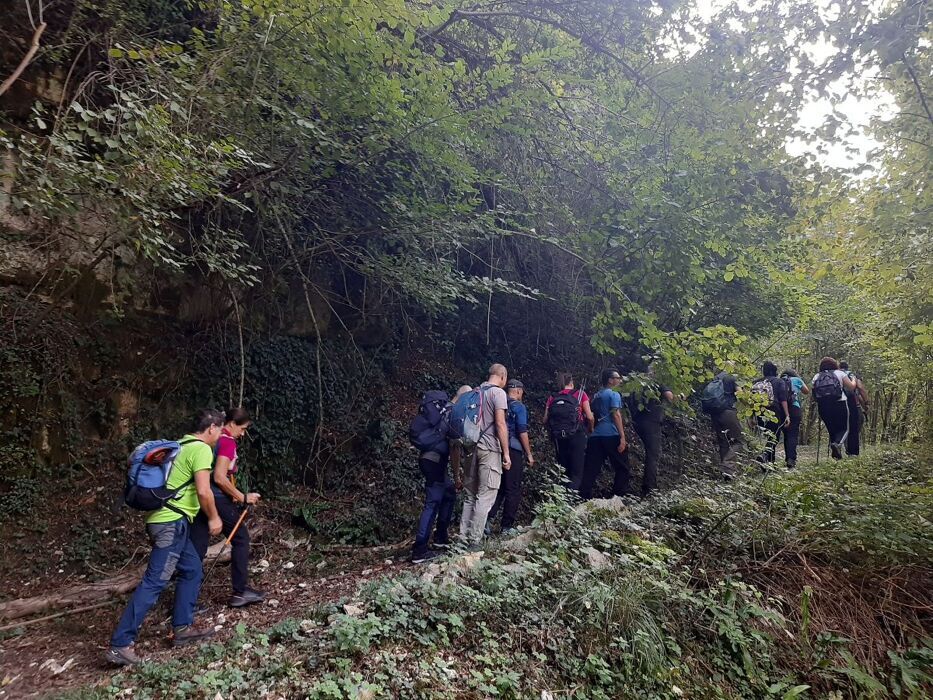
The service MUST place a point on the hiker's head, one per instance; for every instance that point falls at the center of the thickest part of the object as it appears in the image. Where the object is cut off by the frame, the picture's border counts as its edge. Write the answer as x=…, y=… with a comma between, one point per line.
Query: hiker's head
x=465, y=389
x=828, y=363
x=843, y=365
x=207, y=425
x=610, y=377
x=498, y=375
x=769, y=369
x=237, y=422
x=515, y=389
x=564, y=380
x=789, y=373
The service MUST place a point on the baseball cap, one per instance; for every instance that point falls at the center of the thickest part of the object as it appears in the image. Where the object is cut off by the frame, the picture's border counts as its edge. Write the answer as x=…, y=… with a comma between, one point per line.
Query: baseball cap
x=514, y=384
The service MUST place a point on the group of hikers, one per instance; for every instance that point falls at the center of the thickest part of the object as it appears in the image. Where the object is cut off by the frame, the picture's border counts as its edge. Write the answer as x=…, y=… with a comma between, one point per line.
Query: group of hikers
x=476, y=442
x=840, y=397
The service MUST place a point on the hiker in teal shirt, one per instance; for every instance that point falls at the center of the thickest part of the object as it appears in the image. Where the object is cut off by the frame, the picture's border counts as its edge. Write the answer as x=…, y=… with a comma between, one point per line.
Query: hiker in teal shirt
x=172, y=550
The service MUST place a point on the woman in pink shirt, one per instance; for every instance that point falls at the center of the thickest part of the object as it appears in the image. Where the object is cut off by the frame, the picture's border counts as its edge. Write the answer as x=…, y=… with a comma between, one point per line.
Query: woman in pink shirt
x=230, y=502
x=568, y=417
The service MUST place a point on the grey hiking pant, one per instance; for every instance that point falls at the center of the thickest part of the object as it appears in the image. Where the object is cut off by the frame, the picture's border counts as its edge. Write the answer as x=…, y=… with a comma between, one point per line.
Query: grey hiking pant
x=728, y=432
x=482, y=476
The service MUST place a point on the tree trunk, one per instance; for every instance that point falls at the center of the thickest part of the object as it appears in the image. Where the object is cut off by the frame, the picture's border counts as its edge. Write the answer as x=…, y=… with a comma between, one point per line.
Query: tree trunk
x=93, y=592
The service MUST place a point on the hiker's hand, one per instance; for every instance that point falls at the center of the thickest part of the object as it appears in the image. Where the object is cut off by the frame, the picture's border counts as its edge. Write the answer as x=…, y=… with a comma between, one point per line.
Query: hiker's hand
x=531, y=461
x=214, y=526
x=623, y=446
x=252, y=499
x=787, y=422
x=506, y=464
x=458, y=484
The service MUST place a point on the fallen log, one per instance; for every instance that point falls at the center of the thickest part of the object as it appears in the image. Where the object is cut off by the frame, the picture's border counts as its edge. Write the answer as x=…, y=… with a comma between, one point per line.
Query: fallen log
x=91, y=593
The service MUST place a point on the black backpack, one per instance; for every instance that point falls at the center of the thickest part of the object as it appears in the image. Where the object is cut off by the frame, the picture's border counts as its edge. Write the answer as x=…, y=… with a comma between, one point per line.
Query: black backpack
x=564, y=415
x=827, y=387
x=429, y=427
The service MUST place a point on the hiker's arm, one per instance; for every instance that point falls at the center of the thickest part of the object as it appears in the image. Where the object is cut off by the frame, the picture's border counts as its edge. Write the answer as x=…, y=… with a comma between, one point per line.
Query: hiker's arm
x=526, y=446
x=221, y=469
x=590, y=418
x=848, y=384
x=620, y=426
x=786, y=412
x=503, y=432
x=804, y=389
x=862, y=394
x=202, y=482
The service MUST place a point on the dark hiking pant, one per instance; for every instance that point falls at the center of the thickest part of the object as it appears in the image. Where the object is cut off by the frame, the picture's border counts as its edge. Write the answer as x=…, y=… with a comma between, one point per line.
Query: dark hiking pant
x=835, y=416
x=728, y=433
x=510, y=492
x=855, y=429
x=770, y=430
x=598, y=450
x=792, y=435
x=649, y=432
x=229, y=513
x=571, y=453
x=439, y=499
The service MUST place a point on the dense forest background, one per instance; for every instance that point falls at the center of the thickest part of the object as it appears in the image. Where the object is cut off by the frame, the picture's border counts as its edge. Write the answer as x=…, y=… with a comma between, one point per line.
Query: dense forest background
x=321, y=209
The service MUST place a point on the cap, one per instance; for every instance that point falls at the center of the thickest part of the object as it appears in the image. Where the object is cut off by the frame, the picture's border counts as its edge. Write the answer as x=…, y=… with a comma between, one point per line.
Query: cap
x=514, y=384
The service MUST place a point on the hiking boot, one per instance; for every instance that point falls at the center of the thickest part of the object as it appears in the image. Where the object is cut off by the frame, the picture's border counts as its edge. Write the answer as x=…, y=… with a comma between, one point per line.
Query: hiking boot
x=790, y=465
x=727, y=476
x=186, y=634
x=426, y=555
x=836, y=449
x=247, y=597
x=122, y=656
x=442, y=546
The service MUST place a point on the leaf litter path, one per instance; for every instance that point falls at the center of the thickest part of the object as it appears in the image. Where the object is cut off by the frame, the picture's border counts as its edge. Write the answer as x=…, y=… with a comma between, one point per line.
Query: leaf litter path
x=67, y=652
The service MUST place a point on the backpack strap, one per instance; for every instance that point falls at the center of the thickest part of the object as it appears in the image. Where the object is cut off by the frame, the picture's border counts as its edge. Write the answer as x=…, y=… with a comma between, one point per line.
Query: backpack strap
x=180, y=491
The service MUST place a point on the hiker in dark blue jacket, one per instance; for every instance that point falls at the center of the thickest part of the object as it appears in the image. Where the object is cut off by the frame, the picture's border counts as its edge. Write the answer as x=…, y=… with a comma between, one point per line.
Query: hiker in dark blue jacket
x=510, y=493
x=429, y=433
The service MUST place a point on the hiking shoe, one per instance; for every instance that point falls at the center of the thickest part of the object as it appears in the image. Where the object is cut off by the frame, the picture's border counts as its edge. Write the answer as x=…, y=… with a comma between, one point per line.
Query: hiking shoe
x=790, y=465
x=422, y=557
x=727, y=476
x=836, y=449
x=508, y=532
x=122, y=656
x=442, y=546
x=186, y=634
x=247, y=597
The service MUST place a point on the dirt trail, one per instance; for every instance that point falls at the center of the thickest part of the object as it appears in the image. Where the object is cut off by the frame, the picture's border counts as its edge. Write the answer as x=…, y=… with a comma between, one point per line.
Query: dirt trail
x=53, y=656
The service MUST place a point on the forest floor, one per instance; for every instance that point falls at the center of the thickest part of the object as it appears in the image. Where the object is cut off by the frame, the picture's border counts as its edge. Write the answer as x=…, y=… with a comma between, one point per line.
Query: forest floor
x=698, y=535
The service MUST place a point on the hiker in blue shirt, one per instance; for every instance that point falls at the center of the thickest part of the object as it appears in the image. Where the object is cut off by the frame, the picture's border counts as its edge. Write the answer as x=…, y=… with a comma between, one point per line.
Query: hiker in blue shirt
x=607, y=440
x=510, y=493
x=792, y=430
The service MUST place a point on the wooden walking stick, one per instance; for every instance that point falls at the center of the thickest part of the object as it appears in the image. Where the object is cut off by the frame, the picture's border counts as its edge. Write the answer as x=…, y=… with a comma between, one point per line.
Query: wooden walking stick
x=226, y=544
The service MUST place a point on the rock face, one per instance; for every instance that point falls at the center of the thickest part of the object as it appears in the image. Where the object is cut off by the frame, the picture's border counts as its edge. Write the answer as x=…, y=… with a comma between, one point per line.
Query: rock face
x=595, y=559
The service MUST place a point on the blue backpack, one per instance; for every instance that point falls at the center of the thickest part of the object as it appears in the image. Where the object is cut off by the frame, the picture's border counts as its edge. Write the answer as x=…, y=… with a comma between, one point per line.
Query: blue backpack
x=149, y=468
x=428, y=430
x=465, y=417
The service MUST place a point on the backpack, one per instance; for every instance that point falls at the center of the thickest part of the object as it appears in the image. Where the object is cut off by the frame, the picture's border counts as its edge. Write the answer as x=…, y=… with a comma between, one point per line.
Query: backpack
x=714, y=398
x=429, y=427
x=765, y=387
x=793, y=395
x=466, y=416
x=149, y=467
x=827, y=387
x=564, y=415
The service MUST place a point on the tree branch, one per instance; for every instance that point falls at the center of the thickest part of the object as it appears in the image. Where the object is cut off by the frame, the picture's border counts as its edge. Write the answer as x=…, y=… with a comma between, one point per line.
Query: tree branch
x=26, y=59
x=913, y=76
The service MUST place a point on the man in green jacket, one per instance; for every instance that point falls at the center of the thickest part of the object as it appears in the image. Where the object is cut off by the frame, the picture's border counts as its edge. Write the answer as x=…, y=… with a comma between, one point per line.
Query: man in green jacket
x=172, y=550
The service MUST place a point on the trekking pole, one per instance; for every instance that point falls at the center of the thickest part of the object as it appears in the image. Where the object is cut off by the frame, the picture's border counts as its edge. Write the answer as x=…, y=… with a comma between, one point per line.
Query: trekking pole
x=226, y=544
x=819, y=432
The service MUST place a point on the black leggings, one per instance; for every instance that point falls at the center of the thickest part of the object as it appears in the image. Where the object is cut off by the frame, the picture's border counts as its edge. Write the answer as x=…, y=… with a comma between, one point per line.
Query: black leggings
x=855, y=429
x=229, y=513
x=571, y=452
x=792, y=435
x=835, y=415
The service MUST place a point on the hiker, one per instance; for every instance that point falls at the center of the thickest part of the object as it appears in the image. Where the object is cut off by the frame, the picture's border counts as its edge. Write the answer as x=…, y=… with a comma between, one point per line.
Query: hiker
x=646, y=407
x=568, y=417
x=429, y=433
x=483, y=463
x=510, y=493
x=607, y=441
x=776, y=393
x=858, y=405
x=792, y=430
x=718, y=402
x=829, y=387
x=169, y=530
x=230, y=502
